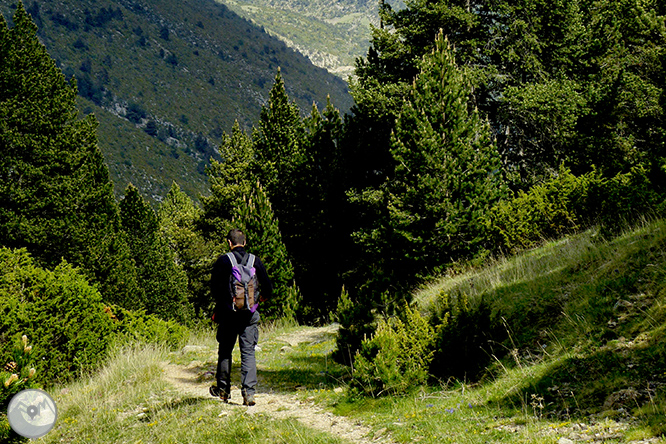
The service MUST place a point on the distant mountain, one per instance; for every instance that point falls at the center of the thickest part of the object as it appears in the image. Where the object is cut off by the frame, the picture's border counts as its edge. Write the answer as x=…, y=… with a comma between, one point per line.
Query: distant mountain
x=166, y=78
x=332, y=33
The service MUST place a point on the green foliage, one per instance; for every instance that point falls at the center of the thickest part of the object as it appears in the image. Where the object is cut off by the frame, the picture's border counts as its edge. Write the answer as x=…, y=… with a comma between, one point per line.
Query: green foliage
x=63, y=313
x=464, y=331
x=136, y=326
x=70, y=325
x=446, y=175
x=229, y=180
x=55, y=193
x=559, y=82
x=396, y=359
x=279, y=147
x=178, y=219
x=356, y=319
x=255, y=216
x=238, y=202
x=566, y=204
x=163, y=283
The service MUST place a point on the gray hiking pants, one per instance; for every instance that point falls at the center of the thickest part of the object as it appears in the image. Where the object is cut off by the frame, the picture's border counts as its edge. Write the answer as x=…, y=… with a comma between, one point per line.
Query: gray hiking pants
x=244, y=326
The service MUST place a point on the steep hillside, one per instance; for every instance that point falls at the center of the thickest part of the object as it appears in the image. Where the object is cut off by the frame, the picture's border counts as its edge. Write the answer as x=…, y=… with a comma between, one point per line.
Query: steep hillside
x=590, y=311
x=166, y=78
x=331, y=33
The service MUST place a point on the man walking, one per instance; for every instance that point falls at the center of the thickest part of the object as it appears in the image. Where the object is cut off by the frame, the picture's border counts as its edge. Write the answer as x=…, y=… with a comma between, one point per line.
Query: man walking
x=234, y=322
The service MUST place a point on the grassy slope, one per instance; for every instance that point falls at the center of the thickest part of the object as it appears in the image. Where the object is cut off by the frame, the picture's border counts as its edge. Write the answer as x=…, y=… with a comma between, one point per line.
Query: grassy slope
x=590, y=370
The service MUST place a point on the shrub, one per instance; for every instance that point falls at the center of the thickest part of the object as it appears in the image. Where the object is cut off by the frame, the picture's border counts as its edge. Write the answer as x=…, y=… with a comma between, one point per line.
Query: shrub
x=566, y=203
x=58, y=309
x=463, y=344
x=72, y=328
x=138, y=326
x=356, y=319
x=396, y=358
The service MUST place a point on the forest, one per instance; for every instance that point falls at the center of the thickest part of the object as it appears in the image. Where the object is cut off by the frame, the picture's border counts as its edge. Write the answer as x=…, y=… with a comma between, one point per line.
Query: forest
x=479, y=128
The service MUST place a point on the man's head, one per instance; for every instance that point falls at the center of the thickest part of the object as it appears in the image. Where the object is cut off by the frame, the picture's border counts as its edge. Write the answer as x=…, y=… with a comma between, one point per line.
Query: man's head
x=236, y=238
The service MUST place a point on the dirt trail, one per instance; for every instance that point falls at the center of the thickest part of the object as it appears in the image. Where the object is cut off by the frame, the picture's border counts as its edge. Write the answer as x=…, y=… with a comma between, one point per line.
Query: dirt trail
x=280, y=405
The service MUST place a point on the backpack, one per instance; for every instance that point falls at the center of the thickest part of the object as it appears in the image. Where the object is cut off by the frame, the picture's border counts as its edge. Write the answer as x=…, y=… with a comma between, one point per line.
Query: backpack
x=243, y=284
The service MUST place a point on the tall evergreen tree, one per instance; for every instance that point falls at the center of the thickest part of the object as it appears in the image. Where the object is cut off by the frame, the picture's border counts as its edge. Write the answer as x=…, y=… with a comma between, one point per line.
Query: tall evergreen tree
x=447, y=174
x=256, y=217
x=279, y=155
x=178, y=217
x=229, y=180
x=56, y=198
x=238, y=201
x=279, y=144
x=163, y=283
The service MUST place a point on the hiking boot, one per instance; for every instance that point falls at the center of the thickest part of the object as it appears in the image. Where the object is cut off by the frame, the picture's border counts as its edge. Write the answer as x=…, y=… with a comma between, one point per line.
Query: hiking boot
x=248, y=399
x=217, y=393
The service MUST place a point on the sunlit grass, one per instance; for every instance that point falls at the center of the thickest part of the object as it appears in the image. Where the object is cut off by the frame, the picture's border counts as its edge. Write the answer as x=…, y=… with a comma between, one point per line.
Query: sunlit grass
x=129, y=400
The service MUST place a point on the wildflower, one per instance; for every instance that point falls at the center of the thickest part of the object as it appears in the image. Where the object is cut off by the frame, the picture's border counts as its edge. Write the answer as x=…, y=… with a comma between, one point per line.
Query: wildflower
x=24, y=338
x=11, y=366
x=27, y=349
x=31, y=372
x=13, y=378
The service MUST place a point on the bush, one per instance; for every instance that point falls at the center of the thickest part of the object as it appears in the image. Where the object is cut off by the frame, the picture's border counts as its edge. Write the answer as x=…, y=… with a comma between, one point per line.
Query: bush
x=58, y=309
x=137, y=326
x=464, y=342
x=396, y=358
x=566, y=203
x=71, y=326
x=356, y=319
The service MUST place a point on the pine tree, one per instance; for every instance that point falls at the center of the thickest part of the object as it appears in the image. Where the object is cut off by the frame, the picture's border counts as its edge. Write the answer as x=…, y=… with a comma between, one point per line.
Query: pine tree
x=162, y=281
x=447, y=175
x=279, y=143
x=178, y=217
x=257, y=219
x=56, y=198
x=280, y=152
x=229, y=180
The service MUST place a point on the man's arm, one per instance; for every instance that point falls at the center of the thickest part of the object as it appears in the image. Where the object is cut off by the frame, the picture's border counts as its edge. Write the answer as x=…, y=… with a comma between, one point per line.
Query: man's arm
x=219, y=278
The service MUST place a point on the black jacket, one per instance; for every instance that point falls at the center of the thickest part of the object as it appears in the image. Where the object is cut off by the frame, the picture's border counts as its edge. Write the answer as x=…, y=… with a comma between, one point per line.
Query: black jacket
x=219, y=281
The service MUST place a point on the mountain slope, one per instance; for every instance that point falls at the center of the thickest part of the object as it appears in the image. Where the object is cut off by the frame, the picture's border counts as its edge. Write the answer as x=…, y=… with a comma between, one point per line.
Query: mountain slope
x=166, y=78
x=331, y=33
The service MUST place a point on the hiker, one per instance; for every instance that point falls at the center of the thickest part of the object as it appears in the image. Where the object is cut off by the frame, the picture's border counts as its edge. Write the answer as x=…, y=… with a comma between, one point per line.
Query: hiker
x=237, y=317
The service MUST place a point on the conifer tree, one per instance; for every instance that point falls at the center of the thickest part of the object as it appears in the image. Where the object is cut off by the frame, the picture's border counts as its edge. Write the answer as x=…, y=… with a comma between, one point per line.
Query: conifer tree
x=56, y=198
x=256, y=217
x=447, y=175
x=229, y=180
x=178, y=217
x=163, y=283
x=323, y=202
x=279, y=142
x=280, y=152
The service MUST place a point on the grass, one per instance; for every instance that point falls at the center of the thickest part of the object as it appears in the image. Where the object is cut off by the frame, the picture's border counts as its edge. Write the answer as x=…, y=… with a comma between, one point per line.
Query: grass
x=129, y=401
x=592, y=371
